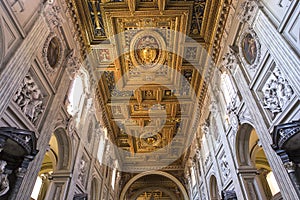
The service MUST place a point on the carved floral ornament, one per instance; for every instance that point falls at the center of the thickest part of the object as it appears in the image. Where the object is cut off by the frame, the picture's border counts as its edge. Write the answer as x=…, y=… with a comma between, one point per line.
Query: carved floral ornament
x=249, y=49
x=52, y=53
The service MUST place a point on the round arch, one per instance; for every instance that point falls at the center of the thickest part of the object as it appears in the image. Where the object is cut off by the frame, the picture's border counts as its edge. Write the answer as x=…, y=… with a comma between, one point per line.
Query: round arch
x=213, y=188
x=95, y=185
x=64, y=149
x=165, y=174
x=242, y=144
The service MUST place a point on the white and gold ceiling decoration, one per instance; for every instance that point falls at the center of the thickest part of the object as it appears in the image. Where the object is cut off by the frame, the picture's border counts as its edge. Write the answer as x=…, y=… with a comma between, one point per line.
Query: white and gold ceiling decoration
x=152, y=65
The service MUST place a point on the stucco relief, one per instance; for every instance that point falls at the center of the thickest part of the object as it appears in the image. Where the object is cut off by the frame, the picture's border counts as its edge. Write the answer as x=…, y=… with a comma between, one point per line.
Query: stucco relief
x=30, y=99
x=277, y=92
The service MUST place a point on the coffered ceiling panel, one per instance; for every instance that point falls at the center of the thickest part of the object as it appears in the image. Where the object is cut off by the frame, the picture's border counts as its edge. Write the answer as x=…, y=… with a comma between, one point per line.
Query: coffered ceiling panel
x=152, y=65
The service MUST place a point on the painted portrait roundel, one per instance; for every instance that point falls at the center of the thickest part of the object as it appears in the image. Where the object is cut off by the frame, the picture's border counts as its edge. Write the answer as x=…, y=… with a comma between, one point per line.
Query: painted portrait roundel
x=52, y=53
x=147, y=50
x=249, y=49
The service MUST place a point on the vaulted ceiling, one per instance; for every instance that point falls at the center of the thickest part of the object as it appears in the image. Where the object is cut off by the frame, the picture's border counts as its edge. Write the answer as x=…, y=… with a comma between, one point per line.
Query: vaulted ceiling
x=152, y=62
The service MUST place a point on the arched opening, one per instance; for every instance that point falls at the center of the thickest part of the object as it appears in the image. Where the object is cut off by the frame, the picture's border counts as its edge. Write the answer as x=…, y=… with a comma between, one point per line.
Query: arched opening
x=213, y=187
x=256, y=173
x=149, y=185
x=95, y=189
x=56, y=159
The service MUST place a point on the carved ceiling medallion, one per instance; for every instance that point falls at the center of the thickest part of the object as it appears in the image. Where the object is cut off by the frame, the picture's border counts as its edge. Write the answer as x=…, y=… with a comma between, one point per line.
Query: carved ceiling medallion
x=147, y=50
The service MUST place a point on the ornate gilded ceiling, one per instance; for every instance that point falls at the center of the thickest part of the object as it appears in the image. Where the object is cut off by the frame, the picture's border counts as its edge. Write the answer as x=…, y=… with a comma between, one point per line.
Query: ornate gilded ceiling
x=151, y=62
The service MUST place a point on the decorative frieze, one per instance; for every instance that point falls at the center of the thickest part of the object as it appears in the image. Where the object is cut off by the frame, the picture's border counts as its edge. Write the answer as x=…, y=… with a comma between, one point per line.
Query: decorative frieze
x=30, y=99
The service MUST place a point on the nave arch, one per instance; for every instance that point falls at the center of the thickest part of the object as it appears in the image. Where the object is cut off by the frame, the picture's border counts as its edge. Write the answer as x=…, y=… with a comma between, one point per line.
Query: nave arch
x=254, y=170
x=54, y=173
x=161, y=173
